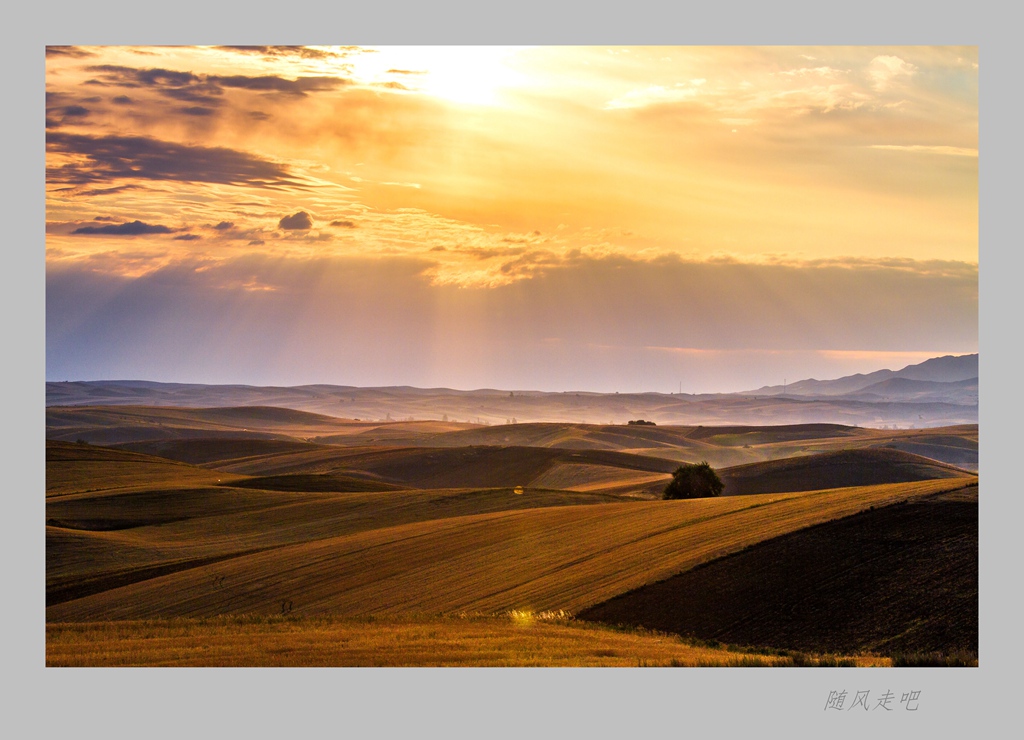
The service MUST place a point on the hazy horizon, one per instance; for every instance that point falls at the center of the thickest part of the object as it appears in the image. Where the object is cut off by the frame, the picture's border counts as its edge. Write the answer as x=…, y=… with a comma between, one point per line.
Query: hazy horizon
x=646, y=219
x=684, y=391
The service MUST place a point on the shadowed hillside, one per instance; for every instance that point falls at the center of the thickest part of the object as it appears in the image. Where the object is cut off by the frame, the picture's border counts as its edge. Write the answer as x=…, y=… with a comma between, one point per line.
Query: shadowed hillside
x=900, y=579
x=860, y=467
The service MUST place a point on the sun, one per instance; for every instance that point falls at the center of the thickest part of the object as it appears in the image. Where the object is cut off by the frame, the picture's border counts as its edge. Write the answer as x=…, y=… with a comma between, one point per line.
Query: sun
x=465, y=75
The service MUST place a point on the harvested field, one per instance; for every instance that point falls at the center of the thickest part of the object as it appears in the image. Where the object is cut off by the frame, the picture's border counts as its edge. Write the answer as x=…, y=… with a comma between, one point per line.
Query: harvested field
x=559, y=558
x=175, y=527
x=898, y=580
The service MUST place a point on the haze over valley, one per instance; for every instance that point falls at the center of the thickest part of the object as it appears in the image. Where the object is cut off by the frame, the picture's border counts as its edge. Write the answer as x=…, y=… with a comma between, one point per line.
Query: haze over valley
x=937, y=392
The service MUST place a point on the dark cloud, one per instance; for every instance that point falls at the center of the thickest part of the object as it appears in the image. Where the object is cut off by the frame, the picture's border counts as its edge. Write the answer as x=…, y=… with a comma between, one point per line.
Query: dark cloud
x=104, y=191
x=205, y=95
x=273, y=83
x=68, y=51
x=296, y=222
x=258, y=115
x=56, y=116
x=345, y=224
x=187, y=238
x=208, y=90
x=256, y=242
x=224, y=225
x=66, y=227
x=133, y=228
x=122, y=100
x=102, y=159
x=183, y=86
x=197, y=110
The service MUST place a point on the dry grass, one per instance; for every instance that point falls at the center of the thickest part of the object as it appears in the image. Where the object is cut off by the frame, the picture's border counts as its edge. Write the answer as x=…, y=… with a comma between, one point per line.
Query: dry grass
x=537, y=559
x=525, y=639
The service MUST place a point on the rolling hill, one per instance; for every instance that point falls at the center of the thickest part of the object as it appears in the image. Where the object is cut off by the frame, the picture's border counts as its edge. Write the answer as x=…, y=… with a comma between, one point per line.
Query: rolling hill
x=208, y=436
x=243, y=512
x=568, y=558
x=856, y=467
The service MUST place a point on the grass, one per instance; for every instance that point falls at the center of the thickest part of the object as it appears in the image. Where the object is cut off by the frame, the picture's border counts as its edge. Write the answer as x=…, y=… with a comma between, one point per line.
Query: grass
x=957, y=659
x=503, y=641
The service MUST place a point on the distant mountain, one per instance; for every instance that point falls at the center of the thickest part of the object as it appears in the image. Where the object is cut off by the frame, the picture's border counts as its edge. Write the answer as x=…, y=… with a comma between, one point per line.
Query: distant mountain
x=918, y=391
x=948, y=369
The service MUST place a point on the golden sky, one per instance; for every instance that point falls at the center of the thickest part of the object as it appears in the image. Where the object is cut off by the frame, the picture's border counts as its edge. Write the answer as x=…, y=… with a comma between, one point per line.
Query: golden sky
x=447, y=215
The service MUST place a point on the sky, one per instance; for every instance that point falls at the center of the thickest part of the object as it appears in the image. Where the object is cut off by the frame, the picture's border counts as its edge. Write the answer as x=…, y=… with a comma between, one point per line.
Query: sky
x=704, y=219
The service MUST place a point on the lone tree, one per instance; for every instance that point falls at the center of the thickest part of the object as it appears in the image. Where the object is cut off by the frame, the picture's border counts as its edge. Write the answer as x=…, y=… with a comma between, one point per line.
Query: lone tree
x=694, y=481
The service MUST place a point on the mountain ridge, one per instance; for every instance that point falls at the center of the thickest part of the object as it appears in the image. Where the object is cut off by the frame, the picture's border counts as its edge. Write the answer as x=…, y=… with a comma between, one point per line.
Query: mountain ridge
x=945, y=369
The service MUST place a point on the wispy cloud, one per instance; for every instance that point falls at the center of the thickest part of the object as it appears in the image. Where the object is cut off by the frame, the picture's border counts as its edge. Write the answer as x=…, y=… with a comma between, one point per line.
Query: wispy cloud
x=951, y=151
x=657, y=94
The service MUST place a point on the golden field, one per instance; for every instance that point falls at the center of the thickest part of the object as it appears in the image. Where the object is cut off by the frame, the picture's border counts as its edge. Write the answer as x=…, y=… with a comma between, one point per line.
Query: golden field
x=258, y=551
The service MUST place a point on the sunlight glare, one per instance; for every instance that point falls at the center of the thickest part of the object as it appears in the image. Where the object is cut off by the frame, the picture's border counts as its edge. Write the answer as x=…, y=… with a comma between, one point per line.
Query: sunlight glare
x=468, y=75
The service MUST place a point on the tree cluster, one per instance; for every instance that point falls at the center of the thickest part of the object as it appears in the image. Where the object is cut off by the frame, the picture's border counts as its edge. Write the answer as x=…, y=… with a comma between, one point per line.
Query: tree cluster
x=694, y=481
